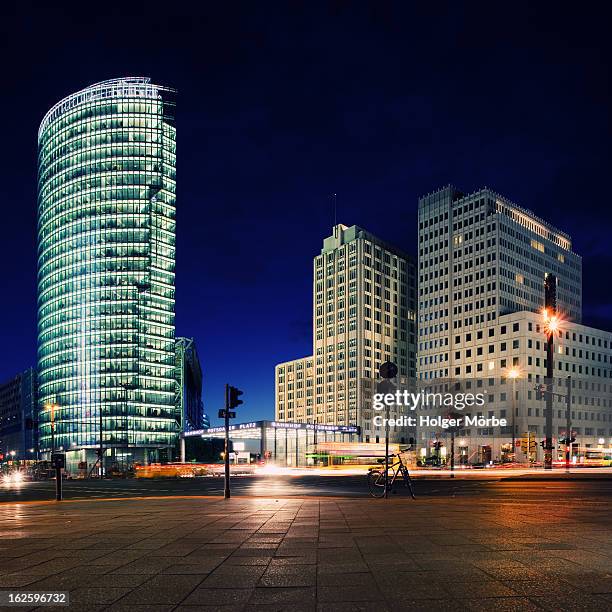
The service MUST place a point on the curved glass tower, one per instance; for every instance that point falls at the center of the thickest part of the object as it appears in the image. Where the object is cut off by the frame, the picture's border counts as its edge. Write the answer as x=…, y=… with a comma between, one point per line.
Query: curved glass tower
x=106, y=258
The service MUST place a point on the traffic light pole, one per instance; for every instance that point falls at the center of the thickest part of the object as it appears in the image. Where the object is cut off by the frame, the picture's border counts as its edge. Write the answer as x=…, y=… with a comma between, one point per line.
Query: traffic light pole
x=548, y=448
x=568, y=425
x=550, y=310
x=226, y=489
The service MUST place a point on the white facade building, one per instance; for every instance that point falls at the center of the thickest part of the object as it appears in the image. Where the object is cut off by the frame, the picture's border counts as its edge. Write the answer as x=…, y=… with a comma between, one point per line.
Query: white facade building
x=294, y=391
x=482, y=264
x=481, y=257
x=363, y=315
x=517, y=343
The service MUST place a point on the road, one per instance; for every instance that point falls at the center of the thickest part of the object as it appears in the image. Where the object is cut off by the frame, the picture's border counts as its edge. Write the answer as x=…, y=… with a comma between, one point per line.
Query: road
x=494, y=487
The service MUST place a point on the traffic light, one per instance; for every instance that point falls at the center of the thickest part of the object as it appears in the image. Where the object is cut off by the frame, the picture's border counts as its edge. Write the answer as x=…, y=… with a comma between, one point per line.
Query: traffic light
x=528, y=443
x=233, y=401
x=539, y=389
x=550, y=293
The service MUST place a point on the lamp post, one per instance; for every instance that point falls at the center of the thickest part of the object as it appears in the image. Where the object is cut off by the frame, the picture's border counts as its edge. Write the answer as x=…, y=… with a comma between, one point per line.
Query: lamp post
x=551, y=326
x=513, y=374
x=51, y=408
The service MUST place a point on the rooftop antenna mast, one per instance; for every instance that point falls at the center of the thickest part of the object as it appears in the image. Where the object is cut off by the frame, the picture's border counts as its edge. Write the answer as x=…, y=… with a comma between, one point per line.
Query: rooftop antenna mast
x=332, y=198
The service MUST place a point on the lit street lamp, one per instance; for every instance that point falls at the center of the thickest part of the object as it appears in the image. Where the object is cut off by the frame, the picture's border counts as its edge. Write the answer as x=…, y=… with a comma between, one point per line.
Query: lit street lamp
x=513, y=374
x=51, y=408
x=551, y=326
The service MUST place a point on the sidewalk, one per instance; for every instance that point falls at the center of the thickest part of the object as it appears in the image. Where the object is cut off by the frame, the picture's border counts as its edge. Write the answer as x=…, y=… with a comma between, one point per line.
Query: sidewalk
x=309, y=554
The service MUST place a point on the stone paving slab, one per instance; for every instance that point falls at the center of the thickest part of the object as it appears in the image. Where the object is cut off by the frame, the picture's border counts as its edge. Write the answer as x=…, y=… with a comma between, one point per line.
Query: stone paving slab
x=311, y=554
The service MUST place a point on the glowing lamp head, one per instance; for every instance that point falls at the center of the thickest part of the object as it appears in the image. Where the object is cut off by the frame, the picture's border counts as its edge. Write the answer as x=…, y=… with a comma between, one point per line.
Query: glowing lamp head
x=513, y=373
x=553, y=324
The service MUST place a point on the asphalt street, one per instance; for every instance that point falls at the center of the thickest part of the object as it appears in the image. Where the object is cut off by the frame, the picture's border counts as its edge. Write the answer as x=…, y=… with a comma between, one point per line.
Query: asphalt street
x=586, y=488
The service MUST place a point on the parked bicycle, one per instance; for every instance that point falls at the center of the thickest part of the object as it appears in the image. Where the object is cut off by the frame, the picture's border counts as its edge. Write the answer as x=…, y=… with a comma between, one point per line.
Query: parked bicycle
x=377, y=480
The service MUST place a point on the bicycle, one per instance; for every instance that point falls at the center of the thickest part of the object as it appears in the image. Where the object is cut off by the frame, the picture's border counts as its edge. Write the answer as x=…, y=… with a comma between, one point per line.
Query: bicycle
x=376, y=478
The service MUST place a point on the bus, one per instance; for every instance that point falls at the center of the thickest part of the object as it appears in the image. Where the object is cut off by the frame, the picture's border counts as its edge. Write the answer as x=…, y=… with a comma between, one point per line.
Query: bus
x=594, y=457
x=347, y=455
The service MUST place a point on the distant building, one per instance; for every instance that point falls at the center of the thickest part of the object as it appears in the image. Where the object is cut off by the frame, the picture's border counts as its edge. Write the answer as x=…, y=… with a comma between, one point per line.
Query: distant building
x=18, y=426
x=295, y=390
x=189, y=386
x=363, y=315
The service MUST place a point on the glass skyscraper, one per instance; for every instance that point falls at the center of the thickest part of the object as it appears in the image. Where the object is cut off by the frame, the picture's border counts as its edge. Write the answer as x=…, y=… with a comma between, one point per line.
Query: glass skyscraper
x=106, y=286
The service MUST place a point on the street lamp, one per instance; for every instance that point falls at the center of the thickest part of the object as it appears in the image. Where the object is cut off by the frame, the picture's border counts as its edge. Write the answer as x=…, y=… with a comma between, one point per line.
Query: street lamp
x=51, y=408
x=552, y=324
x=513, y=374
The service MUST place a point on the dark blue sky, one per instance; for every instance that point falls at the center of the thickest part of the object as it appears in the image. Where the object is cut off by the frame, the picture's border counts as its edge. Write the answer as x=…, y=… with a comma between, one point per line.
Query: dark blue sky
x=281, y=104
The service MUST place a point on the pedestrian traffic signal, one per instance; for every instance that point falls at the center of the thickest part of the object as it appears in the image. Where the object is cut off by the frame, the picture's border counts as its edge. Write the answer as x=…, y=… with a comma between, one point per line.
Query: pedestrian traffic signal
x=234, y=394
x=528, y=443
x=539, y=389
x=550, y=293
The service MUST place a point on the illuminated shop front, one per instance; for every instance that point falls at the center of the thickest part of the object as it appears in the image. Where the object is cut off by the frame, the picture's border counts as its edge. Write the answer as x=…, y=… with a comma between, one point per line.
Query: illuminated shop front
x=280, y=443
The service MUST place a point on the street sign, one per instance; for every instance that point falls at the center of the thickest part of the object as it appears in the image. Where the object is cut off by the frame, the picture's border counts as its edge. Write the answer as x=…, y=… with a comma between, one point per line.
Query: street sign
x=58, y=460
x=385, y=386
x=388, y=370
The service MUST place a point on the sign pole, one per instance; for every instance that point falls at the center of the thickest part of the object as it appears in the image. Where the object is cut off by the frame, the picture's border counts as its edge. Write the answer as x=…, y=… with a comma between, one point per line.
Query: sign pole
x=58, y=484
x=387, y=371
x=387, y=414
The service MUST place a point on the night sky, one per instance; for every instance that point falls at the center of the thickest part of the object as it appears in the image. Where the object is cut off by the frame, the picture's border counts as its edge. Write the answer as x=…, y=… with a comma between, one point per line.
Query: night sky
x=281, y=104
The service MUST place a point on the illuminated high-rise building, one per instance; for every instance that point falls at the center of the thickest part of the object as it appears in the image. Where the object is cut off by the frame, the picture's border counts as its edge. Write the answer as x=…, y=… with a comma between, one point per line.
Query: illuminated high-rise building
x=364, y=302
x=106, y=286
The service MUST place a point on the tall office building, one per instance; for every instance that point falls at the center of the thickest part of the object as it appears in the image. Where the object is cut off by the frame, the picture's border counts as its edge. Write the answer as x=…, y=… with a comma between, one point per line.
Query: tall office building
x=18, y=413
x=189, y=385
x=482, y=265
x=481, y=257
x=106, y=258
x=363, y=315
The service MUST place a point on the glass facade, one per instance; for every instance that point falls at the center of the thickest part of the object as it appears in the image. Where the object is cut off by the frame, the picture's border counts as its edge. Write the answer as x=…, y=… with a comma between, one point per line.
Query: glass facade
x=189, y=385
x=106, y=272
x=282, y=443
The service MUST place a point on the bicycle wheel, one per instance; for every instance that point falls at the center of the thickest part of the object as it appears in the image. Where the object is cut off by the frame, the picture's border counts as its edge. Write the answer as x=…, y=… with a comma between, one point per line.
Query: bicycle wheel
x=376, y=483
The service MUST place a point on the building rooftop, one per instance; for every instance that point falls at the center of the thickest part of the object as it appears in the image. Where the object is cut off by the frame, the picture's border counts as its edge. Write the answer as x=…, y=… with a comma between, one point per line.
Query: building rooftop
x=111, y=88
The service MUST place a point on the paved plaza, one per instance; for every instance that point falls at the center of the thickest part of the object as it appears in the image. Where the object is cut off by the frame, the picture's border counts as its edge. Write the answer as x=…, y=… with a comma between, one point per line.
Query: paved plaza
x=204, y=553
